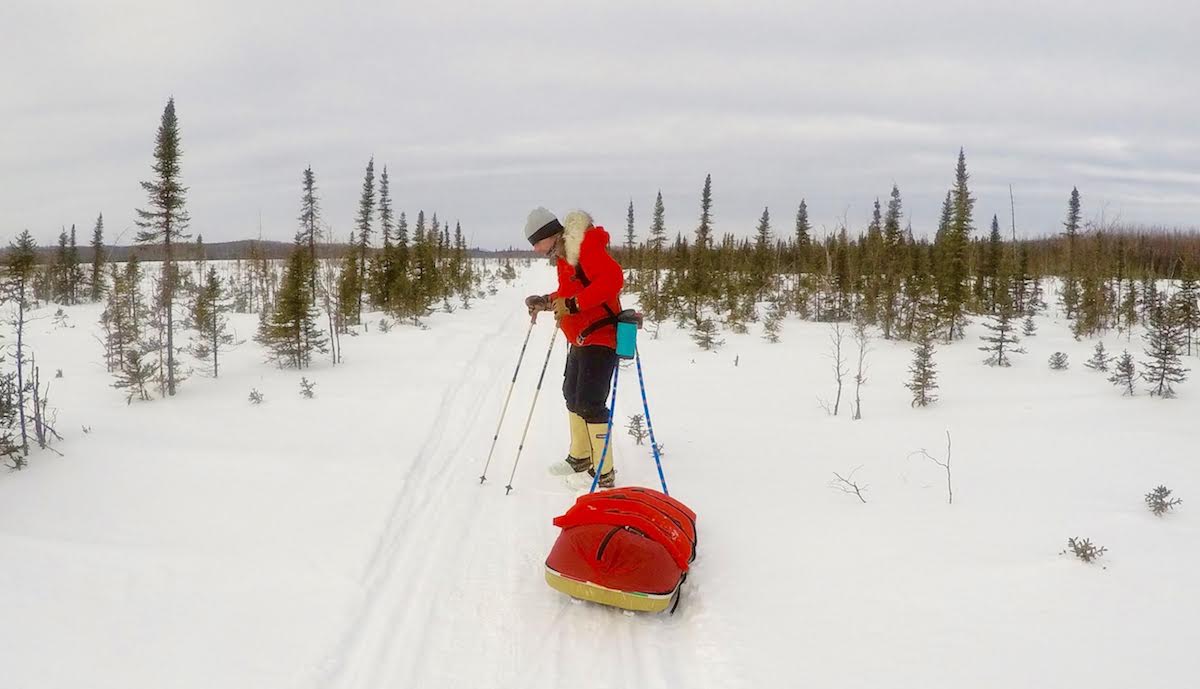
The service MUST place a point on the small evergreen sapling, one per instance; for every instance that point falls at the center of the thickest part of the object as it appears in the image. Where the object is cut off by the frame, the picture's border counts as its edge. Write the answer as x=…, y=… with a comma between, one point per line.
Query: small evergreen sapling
x=136, y=373
x=773, y=321
x=706, y=335
x=1100, y=359
x=1058, y=361
x=1165, y=339
x=637, y=429
x=1028, y=326
x=256, y=397
x=306, y=388
x=1083, y=549
x=1160, y=501
x=1002, y=341
x=1124, y=373
x=923, y=370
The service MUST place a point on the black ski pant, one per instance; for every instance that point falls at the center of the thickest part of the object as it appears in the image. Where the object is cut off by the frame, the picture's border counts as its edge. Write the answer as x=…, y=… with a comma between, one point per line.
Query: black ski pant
x=587, y=380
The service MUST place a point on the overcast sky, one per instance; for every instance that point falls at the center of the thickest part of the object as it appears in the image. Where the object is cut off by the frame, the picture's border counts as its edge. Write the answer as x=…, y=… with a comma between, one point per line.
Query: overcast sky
x=483, y=110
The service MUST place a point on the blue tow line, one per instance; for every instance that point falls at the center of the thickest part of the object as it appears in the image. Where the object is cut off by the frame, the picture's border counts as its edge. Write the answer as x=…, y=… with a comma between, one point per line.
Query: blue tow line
x=650, y=426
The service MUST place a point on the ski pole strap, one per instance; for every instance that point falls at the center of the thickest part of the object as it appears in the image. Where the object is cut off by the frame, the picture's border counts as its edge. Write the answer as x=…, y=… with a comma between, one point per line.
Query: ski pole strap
x=608, y=434
x=649, y=425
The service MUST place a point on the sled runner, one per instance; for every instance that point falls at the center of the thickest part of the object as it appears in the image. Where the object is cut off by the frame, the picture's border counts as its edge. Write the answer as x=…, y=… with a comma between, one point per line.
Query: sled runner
x=629, y=548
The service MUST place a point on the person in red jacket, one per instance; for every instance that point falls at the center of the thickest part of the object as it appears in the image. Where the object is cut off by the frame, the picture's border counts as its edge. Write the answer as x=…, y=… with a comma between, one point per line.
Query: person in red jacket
x=585, y=305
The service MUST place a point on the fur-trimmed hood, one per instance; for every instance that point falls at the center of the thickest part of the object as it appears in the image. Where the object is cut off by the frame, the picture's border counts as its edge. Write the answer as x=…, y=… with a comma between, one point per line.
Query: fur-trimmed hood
x=575, y=225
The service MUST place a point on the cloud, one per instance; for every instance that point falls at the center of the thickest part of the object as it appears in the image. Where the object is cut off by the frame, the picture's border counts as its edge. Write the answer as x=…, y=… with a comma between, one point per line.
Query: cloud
x=482, y=110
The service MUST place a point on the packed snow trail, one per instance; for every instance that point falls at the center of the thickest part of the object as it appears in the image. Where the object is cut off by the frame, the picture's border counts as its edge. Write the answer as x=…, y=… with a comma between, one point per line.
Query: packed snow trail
x=453, y=594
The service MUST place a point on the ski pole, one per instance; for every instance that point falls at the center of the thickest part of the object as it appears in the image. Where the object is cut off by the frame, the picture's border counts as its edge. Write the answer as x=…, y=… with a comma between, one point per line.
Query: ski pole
x=553, y=339
x=608, y=432
x=650, y=426
x=504, y=410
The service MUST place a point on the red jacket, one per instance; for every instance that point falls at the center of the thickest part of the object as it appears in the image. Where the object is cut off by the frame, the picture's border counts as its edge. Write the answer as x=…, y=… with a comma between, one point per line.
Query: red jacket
x=593, y=278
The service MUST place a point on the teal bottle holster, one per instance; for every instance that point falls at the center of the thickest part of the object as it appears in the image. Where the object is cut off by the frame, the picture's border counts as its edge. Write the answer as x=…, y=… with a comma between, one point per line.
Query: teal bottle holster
x=628, y=322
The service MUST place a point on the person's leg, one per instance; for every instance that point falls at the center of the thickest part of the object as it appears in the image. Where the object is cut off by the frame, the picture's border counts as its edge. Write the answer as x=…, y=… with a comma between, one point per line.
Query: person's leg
x=579, y=457
x=571, y=378
x=596, y=364
x=595, y=367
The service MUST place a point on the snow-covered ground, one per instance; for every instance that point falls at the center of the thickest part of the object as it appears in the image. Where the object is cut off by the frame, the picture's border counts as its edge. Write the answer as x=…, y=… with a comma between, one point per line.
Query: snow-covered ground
x=346, y=542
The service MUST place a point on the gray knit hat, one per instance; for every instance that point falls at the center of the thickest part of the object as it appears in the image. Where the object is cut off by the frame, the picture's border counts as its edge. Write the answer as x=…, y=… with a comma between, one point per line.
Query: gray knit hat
x=541, y=224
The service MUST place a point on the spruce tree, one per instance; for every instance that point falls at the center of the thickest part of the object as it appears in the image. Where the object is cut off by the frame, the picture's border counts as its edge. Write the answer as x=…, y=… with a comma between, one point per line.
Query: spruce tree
x=1187, y=309
x=21, y=262
x=310, y=218
x=1124, y=374
x=917, y=288
x=366, y=209
x=923, y=370
x=132, y=357
x=137, y=373
x=893, y=265
x=774, y=321
x=112, y=319
x=764, y=266
x=74, y=271
x=991, y=266
x=1164, y=343
x=208, y=318
x=653, y=301
x=1070, y=292
x=166, y=220
x=1127, y=313
x=461, y=269
x=386, y=216
x=292, y=334
x=803, y=237
x=954, y=255
x=1028, y=326
x=427, y=287
x=349, y=291
x=1093, y=299
x=401, y=287
x=1100, y=358
x=870, y=267
x=1002, y=341
x=60, y=268
x=706, y=335
x=700, y=285
x=630, y=232
x=98, y=259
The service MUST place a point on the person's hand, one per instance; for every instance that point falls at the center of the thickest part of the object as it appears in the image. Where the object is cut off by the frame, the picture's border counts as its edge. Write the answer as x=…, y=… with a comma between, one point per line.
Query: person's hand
x=562, y=307
x=536, y=303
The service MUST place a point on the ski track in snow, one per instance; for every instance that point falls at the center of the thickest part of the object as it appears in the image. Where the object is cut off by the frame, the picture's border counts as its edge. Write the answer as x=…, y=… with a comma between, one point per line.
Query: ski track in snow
x=390, y=600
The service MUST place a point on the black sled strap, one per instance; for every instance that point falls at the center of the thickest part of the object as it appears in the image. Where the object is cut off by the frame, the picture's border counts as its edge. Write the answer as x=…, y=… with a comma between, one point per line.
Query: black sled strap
x=611, y=319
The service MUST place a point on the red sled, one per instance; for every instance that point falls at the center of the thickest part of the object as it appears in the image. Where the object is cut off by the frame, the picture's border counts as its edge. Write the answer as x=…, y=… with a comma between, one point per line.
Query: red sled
x=627, y=547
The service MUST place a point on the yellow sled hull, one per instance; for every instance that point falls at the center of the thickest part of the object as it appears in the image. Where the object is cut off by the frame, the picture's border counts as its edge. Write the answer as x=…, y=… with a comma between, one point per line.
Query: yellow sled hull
x=584, y=590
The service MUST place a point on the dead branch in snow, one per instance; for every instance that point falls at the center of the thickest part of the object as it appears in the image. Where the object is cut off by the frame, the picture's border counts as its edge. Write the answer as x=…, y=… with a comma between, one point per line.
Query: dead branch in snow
x=944, y=464
x=847, y=484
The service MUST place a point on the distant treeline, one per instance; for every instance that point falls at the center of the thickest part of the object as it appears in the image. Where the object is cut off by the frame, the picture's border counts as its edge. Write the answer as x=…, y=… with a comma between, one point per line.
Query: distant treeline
x=244, y=249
